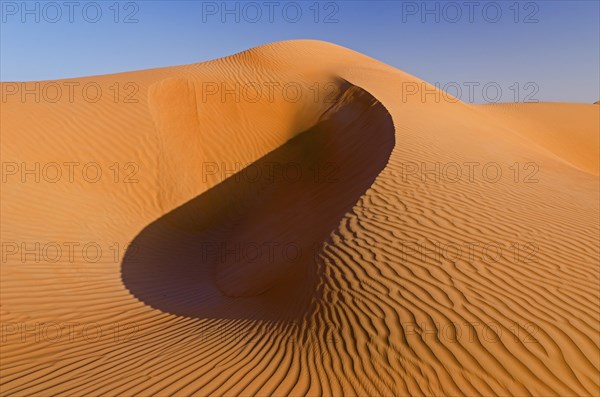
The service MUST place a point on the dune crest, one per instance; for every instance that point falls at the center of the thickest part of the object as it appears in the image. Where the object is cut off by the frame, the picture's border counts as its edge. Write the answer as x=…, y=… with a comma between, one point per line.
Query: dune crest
x=444, y=248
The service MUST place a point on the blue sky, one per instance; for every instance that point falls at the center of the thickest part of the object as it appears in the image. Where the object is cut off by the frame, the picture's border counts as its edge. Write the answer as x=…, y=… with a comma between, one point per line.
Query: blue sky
x=530, y=50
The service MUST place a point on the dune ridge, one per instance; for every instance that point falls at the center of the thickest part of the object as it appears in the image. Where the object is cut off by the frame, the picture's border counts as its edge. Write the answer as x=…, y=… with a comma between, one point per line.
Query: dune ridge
x=380, y=302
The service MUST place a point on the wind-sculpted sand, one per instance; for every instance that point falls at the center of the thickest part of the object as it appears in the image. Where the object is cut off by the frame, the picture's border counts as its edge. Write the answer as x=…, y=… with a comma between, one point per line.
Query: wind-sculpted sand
x=296, y=219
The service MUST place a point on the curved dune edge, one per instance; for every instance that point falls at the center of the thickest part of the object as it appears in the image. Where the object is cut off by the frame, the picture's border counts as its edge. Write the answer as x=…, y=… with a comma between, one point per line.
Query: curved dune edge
x=351, y=145
x=231, y=242
x=378, y=317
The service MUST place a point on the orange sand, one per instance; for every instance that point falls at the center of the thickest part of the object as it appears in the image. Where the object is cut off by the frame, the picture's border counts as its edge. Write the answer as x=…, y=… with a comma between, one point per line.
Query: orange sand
x=345, y=302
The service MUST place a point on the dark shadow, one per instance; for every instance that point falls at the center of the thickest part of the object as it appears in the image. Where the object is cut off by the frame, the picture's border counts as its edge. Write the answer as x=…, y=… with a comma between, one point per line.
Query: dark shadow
x=245, y=249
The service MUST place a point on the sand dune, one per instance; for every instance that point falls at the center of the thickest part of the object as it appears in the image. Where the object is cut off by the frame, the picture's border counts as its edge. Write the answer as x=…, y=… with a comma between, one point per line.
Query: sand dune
x=569, y=130
x=295, y=220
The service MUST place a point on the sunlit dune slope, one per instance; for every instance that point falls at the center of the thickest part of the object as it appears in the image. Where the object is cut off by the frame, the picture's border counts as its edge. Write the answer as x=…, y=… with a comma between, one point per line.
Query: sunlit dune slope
x=569, y=130
x=302, y=222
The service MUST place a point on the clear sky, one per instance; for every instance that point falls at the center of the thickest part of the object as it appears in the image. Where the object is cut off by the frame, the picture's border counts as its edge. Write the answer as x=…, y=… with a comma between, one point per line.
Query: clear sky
x=531, y=50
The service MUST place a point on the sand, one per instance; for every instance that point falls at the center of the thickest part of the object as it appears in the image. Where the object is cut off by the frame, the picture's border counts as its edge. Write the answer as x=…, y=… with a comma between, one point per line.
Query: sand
x=335, y=233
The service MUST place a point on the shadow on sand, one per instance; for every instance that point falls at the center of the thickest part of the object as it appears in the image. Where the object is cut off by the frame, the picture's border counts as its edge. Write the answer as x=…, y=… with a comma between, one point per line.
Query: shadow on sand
x=246, y=248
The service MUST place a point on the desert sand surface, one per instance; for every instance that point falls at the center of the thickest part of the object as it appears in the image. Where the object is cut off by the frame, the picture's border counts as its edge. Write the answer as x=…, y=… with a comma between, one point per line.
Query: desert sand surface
x=295, y=220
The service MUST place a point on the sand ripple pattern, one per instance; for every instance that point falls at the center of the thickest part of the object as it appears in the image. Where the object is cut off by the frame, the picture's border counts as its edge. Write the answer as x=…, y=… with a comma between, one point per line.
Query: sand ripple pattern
x=371, y=308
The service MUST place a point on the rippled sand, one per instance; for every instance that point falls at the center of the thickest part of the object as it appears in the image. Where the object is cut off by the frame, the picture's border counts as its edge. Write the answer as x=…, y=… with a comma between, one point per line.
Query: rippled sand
x=303, y=220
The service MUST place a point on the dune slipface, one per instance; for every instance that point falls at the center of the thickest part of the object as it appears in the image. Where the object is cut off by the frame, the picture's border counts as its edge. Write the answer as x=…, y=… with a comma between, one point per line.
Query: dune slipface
x=338, y=235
